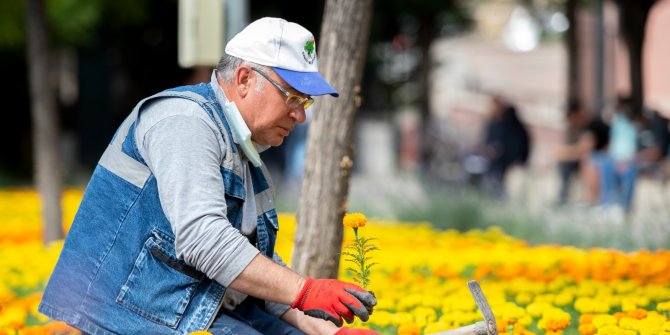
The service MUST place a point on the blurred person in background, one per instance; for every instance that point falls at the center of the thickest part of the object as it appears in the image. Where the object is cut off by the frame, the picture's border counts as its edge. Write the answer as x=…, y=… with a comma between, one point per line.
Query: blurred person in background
x=653, y=143
x=177, y=227
x=618, y=184
x=590, y=149
x=506, y=143
x=569, y=164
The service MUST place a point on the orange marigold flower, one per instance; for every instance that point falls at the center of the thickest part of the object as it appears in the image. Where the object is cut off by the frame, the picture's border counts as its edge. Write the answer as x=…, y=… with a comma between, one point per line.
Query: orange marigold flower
x=638, y=314
x=619, y=315
x=587, y=329
x=354, y=220
x=556, y=324
x=502, y=325
x=586, y=318
x=409, y=328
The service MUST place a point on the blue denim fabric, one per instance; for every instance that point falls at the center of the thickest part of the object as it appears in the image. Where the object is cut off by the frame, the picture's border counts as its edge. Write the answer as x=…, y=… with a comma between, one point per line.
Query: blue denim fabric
x=617, y=184
x=249, y=318
x=118, y=272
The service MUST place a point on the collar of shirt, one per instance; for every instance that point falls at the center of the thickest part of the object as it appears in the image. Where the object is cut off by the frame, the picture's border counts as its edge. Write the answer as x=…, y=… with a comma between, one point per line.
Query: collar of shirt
x=222, y=99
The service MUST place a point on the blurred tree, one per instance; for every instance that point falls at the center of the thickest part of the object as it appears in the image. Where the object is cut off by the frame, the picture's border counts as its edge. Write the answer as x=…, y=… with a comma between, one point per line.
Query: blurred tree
x=416, y=24
x=323, y=200
x=633, y=16
x=47, y=169
x=571, y=43
x=68, y=23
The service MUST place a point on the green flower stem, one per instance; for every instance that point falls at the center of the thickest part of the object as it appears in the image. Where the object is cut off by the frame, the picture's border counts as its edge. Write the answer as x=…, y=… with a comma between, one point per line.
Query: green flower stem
x=358, y=256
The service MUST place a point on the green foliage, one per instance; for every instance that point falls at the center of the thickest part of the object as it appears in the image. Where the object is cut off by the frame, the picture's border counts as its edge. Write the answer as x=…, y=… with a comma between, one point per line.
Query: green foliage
x=73, y=21
x=70, y=22
x=12, y=24
x=579, y=226
x=358, y=256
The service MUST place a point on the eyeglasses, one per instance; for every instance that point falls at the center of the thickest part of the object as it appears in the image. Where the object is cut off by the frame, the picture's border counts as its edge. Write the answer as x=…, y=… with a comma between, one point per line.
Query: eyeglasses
x=292, y=100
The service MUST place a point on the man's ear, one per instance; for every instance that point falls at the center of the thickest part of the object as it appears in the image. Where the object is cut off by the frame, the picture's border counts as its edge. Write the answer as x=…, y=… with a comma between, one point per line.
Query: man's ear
x=243, y=80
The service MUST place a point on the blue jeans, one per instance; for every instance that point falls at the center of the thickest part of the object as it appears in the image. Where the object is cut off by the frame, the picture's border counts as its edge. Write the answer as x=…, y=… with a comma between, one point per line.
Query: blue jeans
x=617, y=184
x=250, y=318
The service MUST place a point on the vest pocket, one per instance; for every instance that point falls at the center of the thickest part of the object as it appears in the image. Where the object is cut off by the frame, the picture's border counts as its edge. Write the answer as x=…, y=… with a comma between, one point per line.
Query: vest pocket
x=159, y=286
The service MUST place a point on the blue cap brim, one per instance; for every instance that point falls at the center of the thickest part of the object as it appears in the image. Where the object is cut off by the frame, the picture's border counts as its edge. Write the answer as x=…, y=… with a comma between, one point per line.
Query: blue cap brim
x=310, y=83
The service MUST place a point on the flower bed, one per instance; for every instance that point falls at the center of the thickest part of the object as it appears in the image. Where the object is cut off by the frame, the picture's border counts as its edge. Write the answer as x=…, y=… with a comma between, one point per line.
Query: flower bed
x=420, y=278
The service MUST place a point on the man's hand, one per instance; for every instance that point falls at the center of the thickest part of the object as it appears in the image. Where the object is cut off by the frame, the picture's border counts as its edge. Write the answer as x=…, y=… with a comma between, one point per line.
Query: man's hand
x=355, y=331
x=332, y=300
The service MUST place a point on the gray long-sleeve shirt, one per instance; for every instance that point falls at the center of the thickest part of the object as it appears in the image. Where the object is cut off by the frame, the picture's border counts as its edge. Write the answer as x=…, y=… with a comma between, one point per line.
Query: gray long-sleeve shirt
x=184, y=150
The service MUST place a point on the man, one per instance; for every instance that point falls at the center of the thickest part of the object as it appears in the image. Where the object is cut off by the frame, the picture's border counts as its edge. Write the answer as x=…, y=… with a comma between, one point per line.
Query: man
x=177, y=227
x=569, y=163
x=506, y=143
x=590, y=150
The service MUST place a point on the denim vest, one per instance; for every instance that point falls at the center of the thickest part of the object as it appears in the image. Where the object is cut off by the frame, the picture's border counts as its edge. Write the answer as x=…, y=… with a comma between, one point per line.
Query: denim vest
x=118, y=272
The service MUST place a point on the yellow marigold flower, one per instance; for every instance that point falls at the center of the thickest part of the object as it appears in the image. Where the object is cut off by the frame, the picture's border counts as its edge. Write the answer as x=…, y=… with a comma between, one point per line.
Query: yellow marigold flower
x=436, y=327
x=589, y=305
x=525, y=320
x=354, y=220
x=666, y=326
x=663, y=306
x=383, y=318
x=603, y=320
x=628, y=323
x=608, y=330
x=563, y=299
x=200, y=332
x=424, y=315
x=536, y=309
x=586, y=318
x=523, y=298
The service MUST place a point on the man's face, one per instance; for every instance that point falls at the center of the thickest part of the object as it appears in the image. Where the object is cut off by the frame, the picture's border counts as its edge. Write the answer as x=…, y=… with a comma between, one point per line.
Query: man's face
x=271, y=119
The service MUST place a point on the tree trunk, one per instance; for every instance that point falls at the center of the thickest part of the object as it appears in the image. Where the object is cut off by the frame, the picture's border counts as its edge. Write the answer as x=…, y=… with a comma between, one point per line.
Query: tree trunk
x=47, y=170
x=573, y=82
x=426, y=36
x=323, y=201
x=633, y=22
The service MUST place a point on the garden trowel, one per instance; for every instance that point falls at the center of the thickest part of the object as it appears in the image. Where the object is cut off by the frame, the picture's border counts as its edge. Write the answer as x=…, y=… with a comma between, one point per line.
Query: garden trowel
x=486, y=327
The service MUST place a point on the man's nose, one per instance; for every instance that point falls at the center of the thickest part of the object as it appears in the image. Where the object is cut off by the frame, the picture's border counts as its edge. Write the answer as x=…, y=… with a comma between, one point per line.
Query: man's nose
x=298, y=114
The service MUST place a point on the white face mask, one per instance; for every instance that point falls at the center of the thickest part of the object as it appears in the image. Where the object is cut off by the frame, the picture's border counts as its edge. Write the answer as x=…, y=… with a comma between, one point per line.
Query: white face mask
x=241, y=133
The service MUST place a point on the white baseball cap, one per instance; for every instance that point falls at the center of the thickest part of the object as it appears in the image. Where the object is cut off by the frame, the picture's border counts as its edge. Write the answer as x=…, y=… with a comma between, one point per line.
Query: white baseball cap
x=285, y=46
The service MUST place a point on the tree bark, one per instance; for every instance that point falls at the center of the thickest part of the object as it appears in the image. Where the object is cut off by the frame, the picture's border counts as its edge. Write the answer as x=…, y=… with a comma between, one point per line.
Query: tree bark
x=573, y=82
x=426, y=36
x=47, y=169
x=323, y=201
x=633, y=22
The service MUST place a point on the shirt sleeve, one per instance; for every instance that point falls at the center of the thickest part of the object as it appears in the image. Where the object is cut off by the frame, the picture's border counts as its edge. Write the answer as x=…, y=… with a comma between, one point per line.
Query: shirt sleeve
x=184, y=154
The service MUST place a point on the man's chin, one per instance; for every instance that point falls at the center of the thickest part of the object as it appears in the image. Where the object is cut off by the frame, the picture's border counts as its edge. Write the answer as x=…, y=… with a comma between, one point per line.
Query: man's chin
x=277, y=142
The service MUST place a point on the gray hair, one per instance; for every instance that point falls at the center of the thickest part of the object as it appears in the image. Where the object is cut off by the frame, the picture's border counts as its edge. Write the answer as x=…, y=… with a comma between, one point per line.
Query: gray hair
x=228, y=65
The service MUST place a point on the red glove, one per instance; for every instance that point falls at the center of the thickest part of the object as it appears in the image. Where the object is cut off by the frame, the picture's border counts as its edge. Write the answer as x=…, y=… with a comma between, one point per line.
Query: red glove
x=355, y=331
x=332, y=300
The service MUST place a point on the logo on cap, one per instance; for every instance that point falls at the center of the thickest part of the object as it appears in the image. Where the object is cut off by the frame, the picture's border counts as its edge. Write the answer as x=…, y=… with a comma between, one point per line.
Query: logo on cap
x=308, y=52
